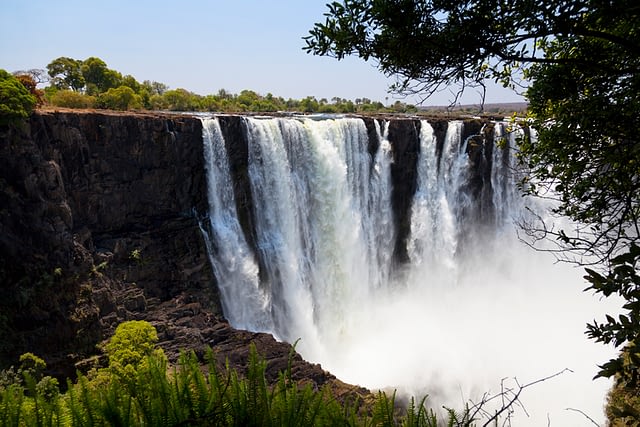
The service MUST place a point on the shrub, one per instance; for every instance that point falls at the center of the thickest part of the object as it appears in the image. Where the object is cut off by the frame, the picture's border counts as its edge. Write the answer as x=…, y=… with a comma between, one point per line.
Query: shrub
x=133, y=342
x=31, y=85
x=120, y=98
x=16, y=102
x=71, y=99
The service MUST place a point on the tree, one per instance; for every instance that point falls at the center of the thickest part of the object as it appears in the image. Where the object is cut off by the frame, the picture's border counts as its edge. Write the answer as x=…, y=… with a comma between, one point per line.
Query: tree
x=66, y=73
x=181, y=100
x=309, y=104
x=16, y=102
x=121, y=98
x=98, y=77
x=581, y=62
x=39, y=76
x=585, y=106
x=431, y=45
x=155, y=88
x=131, y=82
x=28, y=81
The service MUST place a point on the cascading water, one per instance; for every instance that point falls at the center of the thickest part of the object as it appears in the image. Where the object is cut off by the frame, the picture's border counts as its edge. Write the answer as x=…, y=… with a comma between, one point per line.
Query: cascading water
x=472, y=306
x=228, y=250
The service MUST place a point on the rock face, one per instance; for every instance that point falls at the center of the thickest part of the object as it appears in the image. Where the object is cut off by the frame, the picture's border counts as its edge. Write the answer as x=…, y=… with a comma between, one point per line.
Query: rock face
x=99, y=223
x=404, y=136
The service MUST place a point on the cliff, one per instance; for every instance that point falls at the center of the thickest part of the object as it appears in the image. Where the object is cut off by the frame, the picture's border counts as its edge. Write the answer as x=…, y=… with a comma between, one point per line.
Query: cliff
x=99, y=223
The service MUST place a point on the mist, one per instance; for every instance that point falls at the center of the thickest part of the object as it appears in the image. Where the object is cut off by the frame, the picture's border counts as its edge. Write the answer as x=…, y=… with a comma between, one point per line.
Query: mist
x=473, y=313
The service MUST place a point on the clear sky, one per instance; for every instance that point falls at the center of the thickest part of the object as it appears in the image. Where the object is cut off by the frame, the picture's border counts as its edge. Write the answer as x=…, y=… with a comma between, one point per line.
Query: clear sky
x=198, y=45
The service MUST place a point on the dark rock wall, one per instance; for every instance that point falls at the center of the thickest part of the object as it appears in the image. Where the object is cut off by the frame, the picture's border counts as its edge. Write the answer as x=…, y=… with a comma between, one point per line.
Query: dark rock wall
x=235, y=137
x=404, y=136
x=98, y=225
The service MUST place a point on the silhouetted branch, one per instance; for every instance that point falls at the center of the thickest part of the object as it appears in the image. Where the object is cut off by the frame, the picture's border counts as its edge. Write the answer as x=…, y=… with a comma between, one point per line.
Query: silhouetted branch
x=510, y=399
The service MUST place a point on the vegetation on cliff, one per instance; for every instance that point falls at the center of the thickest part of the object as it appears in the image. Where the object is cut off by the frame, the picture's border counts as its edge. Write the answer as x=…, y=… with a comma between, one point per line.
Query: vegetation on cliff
x=16, y=102
x=579, y=61
x=139, y=387
x=89, y=83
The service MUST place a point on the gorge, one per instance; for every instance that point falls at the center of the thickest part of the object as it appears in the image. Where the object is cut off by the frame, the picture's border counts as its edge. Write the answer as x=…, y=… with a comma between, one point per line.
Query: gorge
x=387, y=246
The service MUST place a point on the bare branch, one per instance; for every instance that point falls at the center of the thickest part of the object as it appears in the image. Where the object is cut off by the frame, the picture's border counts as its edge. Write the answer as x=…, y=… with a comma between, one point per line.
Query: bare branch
x=585, y=415
x=509, y=398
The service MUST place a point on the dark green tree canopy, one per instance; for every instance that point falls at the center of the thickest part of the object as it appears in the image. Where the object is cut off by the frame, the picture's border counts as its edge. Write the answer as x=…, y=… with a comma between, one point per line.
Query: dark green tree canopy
x=91, y=75
x=98, y=77
x=66, y=73
x=433, y=44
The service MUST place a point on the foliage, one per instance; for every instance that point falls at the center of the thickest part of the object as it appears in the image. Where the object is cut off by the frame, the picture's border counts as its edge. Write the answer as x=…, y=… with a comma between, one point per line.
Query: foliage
x=30, y=83
x=120, y=98
x=623, y=402
x=71, y=99
x=98, y=77
x=622, y=279
x=434, y=45
x=586, y=111
x=189, y=393
x=585, y=106
x=37, y=75
x=180, y=100
x=87, y=83
x=132, y=343
x=16, y=102
x=66, y=73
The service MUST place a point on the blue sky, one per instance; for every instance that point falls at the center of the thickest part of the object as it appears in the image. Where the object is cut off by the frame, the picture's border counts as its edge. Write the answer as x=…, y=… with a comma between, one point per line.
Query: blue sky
x=198, y=45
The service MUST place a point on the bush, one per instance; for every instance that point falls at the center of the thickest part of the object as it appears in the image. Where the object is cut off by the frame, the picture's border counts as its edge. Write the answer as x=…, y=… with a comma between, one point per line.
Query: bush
x=133, y=342
x=120, y=98
x=16, y=102
x=28, y=81
x=71, y=99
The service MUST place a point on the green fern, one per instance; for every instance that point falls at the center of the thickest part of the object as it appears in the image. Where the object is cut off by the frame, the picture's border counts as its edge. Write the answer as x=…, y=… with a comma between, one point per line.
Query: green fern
x=152, y=393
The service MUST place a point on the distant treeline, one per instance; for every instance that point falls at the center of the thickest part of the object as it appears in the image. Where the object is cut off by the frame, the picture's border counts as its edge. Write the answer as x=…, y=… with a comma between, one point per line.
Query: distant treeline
x=89, y=83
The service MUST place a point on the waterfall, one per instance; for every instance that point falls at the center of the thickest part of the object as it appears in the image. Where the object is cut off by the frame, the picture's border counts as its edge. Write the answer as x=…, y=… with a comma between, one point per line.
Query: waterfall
x=434, y=229
x=470, y=307
x=243, y=302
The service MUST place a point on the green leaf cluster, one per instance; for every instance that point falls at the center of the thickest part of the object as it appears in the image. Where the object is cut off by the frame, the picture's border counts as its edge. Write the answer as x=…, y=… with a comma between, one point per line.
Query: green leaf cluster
x=129, y=348
x=120, y=98
x=623, y=279
x=585, y=104
x=16, y=102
